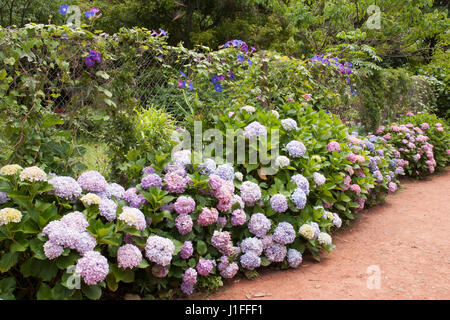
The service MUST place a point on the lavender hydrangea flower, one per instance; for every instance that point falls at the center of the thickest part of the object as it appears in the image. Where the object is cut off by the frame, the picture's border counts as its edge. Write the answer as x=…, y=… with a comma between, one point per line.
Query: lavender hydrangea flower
x=159, y=250
x=252, y=245
x=184, y=205
x=190, y=276
x=75, y=220
x=334, y=146
x=133, y=198
x=221, y=240
x=296, y=149
x=337, y=220
x=301, y=182
x=238, y=217
x=204, y=267
x=299, y=198
x=319, y=179
x=255, y=129
x=259, y=225
x=52, y=250
x=289, y=124
x=225, y=171
x=114, y=190
x=108, y=209
x=175, y=183
x=294, y=258
x=128, y=256
x=151, y=180
x=267, y=241
x=209, y=166
x=86, y=242
x=279, y=203
x=65, y=187
x=184, y=224
x=250, y=260
x=4, y=197
x=92, y=181
x=148, y=170
x=284, y=233
x=93, y=267
x=239, y=176
x=229, y=271
x=316, y=229
x=187, y=250
x=282, y=161
x=187, y=288
x=250, y=192
x=276, y=252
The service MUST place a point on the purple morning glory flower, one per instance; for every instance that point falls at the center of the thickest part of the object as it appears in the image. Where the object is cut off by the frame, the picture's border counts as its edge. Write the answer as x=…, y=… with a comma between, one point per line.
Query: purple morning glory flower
x=181, y=84
x=221, y=77
x=63, y=8
x=95, y=55
x=183, y=74
x=90, y=62
x=89, y=14
x=190, y=86
x=240, y=57
x=162, y=32
x=249, y=62
x=214, y=79
x=218, y=87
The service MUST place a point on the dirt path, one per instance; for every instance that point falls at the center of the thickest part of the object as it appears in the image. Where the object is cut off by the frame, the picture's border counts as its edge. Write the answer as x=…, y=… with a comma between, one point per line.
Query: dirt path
x=407, y=238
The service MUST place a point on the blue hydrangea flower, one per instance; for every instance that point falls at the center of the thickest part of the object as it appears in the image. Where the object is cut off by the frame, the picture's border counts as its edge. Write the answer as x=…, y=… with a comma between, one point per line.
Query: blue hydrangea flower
x=299, y=198
x=294, y=258
x=225, y=171
x=296, y=149
x=284, y=233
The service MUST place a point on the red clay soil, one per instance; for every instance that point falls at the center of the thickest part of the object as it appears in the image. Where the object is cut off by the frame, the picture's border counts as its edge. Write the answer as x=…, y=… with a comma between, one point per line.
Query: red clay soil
x=407, y=238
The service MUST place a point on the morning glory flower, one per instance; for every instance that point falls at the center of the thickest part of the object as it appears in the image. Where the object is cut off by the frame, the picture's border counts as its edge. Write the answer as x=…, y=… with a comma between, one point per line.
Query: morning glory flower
x=249, y=62
x=63, y=8
x=190, y=86
x=182, y=74
x=162, y=32
x=89, y=14
x=181, y=84
x=230, y=75
x=221, y=77
x=214, y=79
x=218, y=87
x=240, y=57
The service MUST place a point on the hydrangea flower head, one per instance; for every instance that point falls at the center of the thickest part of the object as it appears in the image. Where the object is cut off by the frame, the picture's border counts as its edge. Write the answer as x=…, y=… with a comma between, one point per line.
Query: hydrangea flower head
x=289, y=124
x=324, y=239
x=250, y=192
x=133, y=217
x=4, y=197
x=319, y=179
x=190, y=276
x=184, y=205
x=276, y=252
x=92, y=181
x=296, y=149
x=294, y=258
x=134, y=198
x=65, y=187
x=128, y=256
x=151, y=180
x=225, y=171
x=279, y=203
x=92, y=267
x=90, y=199
x=334, y=146
x=250, y=260
x=301, y=182
x=282, y=161
x=252, y=245
x=33, y=174
x=159, y=250
x=10, y=169
x=307, y=231
x=255, y=129
x=10, y=215
x=187, y=250
x=299, y=198
x=204, y=267
x=284, y=233
x=238, y=217
x=184, y=224
x=108, y=209
x=259, y=225
x=207, y=217
x=175, y=183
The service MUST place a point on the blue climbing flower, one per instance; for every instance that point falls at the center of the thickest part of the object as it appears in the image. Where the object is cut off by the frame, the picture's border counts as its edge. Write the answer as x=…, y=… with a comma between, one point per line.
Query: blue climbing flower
x=218, y=87
x=63, y=8
x=214, y=79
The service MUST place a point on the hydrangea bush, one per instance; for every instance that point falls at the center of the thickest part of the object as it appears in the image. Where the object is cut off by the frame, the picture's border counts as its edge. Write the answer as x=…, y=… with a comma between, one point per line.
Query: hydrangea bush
x=188, y=226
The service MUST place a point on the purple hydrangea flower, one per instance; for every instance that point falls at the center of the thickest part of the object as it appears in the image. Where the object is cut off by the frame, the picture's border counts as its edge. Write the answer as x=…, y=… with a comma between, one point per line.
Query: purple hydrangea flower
x=187, y=250
x=250, y=260
x=225, y=171
x=92, y=181
x=279, y=203
x=184, y=224
x=221, y=240
x=148, y=170
x=65, y=187
x=259, y=225
x=276, y=252
x=129, y=256
x=333, y=146
x=228, y=271
x=238, y=217
x=175, y=183
x=255, y=129
x=301, y=182
x=289, y=124
x=337, y=220
x=319, y=179
x=93, y=267
x=296, y=149
x=52, y=250
x=209, y=166
x=86, y=242
x=267, y=241
x=284, y=233
x=4, y=197
x=159, y=250
x=108, y=209
x=134, y=198
x=184, y=205
x=151, y=180
x=294, y=258
x=187, y=288
x=252, y=245
x=250, y=192
x=204, y=267
x=190, y=276
x=299, y=198
x=114, y=190
x=75, y=220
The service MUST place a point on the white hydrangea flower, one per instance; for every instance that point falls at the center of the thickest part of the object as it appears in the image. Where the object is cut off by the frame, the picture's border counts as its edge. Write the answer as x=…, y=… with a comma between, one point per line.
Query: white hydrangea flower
x=324, y=238
x=282, y=161
x=32, y=174
x=90, y=199
x=307, y=231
